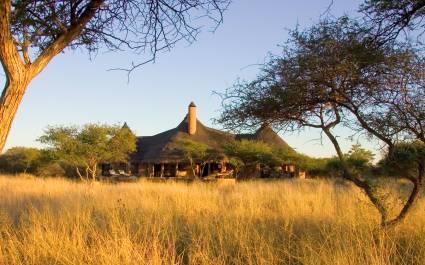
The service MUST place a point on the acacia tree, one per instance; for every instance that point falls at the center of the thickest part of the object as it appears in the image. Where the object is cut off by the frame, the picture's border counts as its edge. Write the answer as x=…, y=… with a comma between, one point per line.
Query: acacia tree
x=32, y=32
x=90, y=145
x=328, y=76
x=197, y=152
x=247, y=154
x=194, y=152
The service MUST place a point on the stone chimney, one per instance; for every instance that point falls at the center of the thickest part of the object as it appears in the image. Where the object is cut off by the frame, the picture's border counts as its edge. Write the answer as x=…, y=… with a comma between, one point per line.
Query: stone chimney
x=191, y=119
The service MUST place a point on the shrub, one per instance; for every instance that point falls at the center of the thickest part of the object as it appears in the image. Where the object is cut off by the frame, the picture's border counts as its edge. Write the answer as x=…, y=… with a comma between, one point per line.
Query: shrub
x=20, y=160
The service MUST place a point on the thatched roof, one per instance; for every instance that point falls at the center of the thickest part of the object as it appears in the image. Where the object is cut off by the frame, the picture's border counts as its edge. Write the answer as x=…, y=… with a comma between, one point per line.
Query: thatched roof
x=267, y=135
x=162, y=147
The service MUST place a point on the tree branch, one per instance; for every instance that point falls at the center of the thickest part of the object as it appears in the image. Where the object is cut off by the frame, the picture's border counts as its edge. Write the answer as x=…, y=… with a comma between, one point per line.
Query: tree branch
x=63, y=40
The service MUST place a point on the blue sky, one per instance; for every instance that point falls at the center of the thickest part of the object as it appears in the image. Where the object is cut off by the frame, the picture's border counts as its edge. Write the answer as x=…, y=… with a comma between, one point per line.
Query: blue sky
x=75, y=90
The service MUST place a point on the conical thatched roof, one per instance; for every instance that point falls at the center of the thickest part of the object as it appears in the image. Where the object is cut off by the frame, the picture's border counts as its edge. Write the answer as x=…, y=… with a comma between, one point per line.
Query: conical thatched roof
x=267, y=135
x=162, y=147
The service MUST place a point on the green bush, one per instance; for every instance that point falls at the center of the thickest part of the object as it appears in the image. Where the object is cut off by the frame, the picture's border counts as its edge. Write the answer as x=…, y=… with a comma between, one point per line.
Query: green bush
x=20, y=160
x=39, y=162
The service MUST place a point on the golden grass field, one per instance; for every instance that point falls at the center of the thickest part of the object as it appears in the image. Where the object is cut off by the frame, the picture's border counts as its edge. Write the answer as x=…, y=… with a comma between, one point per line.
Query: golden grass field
x=55, y=221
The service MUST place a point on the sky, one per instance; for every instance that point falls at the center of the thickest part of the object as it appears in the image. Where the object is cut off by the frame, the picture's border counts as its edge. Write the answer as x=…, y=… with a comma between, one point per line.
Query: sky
x=75, y=89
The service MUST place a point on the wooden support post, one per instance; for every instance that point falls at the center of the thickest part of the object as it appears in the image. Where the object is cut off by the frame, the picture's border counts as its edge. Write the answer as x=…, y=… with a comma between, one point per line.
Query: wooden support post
x=162, y=171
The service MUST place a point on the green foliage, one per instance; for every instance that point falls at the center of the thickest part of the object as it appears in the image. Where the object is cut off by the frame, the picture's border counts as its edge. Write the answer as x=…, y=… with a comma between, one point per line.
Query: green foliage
x=196, y=152
x=359, y=158
x=20, y=160
x=245, y=153
x=251, y=152
x=32, y=160
x=199, y=152
x=90, y=145
x=312, y=165
x=405, y=159
x=333, y=167
x=236, y=162
x=192, y=150
x=287, y=155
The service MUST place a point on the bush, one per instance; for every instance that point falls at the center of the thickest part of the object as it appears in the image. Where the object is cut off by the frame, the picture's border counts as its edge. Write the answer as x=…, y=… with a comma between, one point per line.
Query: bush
x=24, y=160
x=20, y=160
x=405, y=160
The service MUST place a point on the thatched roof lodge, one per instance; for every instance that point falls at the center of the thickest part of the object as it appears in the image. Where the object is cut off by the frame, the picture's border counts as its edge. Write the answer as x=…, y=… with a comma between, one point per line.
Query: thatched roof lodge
x=156, y=155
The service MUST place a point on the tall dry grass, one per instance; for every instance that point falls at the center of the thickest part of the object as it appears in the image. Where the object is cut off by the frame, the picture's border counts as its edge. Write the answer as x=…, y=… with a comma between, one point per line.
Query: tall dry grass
x=56, y=221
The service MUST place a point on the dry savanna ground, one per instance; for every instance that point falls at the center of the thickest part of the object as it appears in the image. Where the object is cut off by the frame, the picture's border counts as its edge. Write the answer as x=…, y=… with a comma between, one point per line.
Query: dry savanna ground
x=55, y=221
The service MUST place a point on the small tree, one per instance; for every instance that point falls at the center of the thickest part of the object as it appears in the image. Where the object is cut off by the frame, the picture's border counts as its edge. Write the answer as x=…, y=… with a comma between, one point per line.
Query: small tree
x=237, y=164
x=313, y=166
x=197, y=152
x=358, y=159
x=245, y=154
x=90, y=145
x=192, y=151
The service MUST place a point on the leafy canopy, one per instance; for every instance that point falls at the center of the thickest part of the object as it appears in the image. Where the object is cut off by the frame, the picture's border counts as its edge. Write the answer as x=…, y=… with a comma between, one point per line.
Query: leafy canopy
x=406, y=159
x=197, y=151
x=251, y=152
x=90, y=144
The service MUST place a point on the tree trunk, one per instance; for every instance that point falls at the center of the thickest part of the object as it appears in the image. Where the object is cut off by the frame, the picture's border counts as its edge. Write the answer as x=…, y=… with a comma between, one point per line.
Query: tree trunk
x=162, y=171
x=93, y=171
x=16, y=72
x=413, y=197
x=11, y=97
x=192, y=166
x=414, y=194
x=348, y=175
x=79, y=173
x=87, y=172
